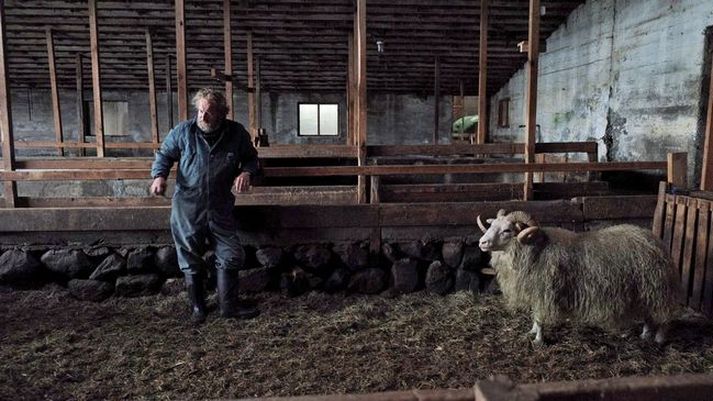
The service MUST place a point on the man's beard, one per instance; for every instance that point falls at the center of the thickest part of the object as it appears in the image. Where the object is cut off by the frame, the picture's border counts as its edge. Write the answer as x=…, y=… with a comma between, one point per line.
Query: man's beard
x=209, y=129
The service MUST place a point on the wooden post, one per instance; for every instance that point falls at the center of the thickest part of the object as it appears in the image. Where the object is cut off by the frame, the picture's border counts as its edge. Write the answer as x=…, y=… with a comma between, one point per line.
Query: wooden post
x=96, y=79
x=8, y=140
x=181, y=60
x=169, y=92
x=258, y=97
x=350, y=90
x=533, y=53
x=152, y=88
x=707, y=173
x=81, y=129
x=56, y=110
x=375, y=193
x=436, y=96
x=228, y=50
x=483, y=74
x=677, y=169
x=251, y=88
x=361, y=95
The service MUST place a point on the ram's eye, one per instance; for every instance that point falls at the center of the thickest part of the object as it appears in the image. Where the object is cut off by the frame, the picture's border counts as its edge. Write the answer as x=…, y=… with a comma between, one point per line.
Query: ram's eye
x=507, y=230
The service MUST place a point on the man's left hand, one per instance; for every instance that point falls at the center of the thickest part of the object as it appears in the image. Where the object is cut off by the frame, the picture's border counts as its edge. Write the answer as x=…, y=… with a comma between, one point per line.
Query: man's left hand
x=242, y=182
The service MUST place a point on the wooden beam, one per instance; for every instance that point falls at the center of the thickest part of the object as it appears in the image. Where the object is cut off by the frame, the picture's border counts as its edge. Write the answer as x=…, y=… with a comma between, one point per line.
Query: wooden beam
x=351, y=85
x=8, y=141
x=483, y=74
x=677, y=169
x=251, y=87
x=56, y=109
x=181, y=59
x=96, y=79
x=81, y=128
x=707, y=171
x=228, y=50
x=258, y=97
x=533, y=54
x=436, y=96
x=169, y=93
x=360, y=38
x=152, y=88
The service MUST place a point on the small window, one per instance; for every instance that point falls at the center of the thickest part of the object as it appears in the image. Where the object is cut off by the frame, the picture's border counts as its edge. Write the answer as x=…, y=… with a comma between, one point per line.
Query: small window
x=318, y=119
x=504, y=113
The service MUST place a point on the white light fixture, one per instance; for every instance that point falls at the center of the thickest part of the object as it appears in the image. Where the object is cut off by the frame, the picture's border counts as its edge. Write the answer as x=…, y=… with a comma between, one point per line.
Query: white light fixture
x=380, y=46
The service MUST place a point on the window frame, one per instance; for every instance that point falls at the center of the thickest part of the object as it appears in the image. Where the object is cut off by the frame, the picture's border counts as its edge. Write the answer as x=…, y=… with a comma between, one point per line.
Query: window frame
x=319, y=134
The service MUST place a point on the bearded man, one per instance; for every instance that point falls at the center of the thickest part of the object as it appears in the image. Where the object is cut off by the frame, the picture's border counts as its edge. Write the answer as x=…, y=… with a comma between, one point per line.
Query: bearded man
x=214, y=155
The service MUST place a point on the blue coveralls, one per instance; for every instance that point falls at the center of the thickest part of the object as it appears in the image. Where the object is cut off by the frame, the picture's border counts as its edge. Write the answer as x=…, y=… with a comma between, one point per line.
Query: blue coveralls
x=202, y=206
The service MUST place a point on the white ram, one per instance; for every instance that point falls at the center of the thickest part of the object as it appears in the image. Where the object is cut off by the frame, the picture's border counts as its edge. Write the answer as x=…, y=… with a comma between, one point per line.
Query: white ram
x=610, y=277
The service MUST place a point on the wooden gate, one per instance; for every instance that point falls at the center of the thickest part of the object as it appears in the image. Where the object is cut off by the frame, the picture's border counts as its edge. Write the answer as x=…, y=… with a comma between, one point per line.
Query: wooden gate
x=683, y=221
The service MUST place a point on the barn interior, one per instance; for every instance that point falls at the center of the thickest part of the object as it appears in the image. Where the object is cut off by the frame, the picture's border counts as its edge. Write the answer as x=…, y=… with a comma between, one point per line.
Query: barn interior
x=383, y=129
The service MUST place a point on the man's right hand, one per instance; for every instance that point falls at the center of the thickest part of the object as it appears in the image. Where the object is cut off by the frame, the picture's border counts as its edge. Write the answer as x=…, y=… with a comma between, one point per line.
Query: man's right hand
x=158, y=186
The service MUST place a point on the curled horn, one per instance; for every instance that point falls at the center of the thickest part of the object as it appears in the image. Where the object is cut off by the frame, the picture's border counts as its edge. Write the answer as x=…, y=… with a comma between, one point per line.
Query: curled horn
x=482, y=226
x=525, y=236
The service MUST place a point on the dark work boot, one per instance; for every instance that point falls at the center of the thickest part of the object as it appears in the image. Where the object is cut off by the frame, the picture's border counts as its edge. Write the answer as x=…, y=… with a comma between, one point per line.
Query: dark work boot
x=196, y=294
x=228, y=300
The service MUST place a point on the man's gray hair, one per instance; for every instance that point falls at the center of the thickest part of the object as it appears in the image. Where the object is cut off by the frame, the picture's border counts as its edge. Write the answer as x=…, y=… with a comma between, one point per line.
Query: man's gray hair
x=212, y=95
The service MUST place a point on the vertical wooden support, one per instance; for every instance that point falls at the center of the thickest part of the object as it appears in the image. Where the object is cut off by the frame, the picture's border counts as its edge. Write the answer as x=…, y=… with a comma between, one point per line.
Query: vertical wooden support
x=251, y=87
x=169, y=92
x=228, y=50
x=375, y=197
x=258, y=97
x=181, y=60
x=56, y=110
x=436, y=97
x=361, y=95
x=350, y=90
x=152, y=88
x=677, y=169
x=81, y=129
x=8, y=140
x=702, y=238
x=533, y=54
x=593, y=157
x=483, y=74
x=96, y=79
x=707, y=173
x=659, y=213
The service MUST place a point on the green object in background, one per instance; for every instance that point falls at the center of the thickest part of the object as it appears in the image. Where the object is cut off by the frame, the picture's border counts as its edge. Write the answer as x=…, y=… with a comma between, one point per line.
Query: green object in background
x=469, y=123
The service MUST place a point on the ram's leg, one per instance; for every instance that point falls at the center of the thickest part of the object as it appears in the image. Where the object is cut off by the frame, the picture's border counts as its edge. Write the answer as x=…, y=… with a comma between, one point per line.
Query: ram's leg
x=661, y=333
x=648, y=329
x=535, y=327
x=536, y=330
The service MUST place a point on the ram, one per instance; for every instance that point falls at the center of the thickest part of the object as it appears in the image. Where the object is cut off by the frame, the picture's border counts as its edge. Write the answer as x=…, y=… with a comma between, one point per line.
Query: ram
x=608, y=278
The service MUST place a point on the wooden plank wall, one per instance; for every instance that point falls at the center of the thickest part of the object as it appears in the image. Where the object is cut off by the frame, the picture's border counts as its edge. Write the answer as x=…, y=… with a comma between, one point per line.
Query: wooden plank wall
x=683, y=222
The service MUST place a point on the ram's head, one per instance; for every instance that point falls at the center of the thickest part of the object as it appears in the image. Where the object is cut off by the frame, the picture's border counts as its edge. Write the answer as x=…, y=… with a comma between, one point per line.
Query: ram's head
x=498, y=232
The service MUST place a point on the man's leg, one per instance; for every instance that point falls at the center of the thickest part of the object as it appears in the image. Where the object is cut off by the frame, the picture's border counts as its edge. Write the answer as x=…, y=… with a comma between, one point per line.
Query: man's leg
x=189, y=247
x=230, y=257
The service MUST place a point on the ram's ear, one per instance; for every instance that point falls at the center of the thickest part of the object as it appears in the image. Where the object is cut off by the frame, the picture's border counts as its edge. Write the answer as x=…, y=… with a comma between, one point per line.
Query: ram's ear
x=529, y=235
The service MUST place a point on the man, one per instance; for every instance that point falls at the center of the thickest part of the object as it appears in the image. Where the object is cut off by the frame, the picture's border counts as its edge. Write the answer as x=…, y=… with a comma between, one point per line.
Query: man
x=214, y=155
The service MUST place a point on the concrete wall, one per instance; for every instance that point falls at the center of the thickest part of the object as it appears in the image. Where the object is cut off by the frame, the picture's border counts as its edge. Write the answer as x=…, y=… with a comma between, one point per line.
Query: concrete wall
x=625, y=73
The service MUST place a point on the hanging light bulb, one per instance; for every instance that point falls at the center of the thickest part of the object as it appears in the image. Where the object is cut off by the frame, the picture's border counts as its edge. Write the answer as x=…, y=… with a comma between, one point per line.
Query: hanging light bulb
x=380, y=46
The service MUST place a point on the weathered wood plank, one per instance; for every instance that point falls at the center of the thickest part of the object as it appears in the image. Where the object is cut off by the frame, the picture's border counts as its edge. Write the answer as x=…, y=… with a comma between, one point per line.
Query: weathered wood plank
x=56, y=109
x=96, y=79
x=707, y=173
x=449, y=192
x=153, y=113
x=6, y=129
x=81, y=129
x=181, y=71
x=361, y=100
x=532, y=68
x=544, y=212
x=669, y=220
x=659, y=217
x=252, y=124
x=677, y=169
x=483, y=74
x=679, y=227
x=702, y=238
x=707, y=301
x=436, y=96
x=688, y=242
x=228, y=50
x=169, y=93
x=619, y=207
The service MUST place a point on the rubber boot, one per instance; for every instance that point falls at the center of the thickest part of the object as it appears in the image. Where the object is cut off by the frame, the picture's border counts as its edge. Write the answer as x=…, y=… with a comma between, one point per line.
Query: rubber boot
x=230, y=305
x=196, y=294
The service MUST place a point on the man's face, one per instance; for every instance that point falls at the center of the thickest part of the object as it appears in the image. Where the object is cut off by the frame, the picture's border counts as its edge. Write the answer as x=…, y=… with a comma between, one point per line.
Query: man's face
x=209, y=116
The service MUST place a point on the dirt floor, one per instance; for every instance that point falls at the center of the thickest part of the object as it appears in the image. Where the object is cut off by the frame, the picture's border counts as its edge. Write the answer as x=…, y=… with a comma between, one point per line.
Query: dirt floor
x=53, y=347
